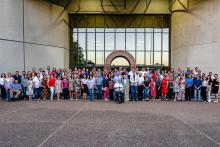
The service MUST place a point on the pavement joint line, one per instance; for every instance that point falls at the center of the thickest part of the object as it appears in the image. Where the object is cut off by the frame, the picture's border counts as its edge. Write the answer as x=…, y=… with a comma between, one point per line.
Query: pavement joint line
x=200, y=132
x=61, y=126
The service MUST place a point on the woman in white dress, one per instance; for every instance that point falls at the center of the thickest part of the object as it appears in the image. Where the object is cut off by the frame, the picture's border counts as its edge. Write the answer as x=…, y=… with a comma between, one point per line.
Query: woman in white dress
x=30, y=89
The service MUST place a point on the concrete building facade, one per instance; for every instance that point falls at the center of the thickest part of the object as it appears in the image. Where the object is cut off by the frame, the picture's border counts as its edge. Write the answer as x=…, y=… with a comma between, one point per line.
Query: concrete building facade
x=33, y=33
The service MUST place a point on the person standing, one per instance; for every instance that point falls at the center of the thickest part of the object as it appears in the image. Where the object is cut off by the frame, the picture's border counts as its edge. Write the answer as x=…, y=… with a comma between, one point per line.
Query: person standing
x=164, y=87
x=84, y=82
x=30, y=88
x=44, y=86
x=3, y=86
x=204, y=89
x=111, y=88
x=58, y=87
x=24, y=83
x=158, y=87
x=153, y=89
x=65, y=86
x=133, y=83
x=189, y=87
x=197, y=88
x=215, y=87
x=91, y=86
x=51, y=84
x=99, y=85
x=176, y=88
x=125, y=83
x=77, y=87
x=37, y=83
x=71, y=86
x=106, y=87
x=146, y=88
x=140, y=87
x=209, y=88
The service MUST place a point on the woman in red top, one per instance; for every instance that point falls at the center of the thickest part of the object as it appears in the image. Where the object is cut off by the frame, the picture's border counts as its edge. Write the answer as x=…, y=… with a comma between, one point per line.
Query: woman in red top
x=164, y=87
x=51, y=84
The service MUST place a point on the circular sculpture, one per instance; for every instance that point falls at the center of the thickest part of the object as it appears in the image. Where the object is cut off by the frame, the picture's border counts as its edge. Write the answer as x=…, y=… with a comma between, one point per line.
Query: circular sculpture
x=119, y=53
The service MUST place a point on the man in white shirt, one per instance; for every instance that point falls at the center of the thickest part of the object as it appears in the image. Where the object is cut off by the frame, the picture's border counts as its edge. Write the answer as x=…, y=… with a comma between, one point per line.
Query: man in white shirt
x=37, y=84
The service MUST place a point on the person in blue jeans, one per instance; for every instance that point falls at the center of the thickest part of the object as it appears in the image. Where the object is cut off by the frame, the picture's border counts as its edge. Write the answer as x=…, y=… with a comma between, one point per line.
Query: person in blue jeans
x=91, y=85
x=146, y=88
x=133, y=82
x=99, y=86
x=197, y=88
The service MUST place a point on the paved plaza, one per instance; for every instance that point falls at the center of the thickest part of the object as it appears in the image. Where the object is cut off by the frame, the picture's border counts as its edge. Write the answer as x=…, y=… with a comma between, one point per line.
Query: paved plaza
x=106, y=124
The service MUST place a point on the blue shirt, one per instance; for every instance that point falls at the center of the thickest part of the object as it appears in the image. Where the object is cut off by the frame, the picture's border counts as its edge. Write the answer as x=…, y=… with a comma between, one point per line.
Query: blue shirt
x=189, y=82
x=16, y=86
x=197, y=83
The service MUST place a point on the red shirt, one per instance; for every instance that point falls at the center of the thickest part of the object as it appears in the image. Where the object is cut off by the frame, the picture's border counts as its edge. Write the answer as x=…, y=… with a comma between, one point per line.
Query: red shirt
x=51, y=82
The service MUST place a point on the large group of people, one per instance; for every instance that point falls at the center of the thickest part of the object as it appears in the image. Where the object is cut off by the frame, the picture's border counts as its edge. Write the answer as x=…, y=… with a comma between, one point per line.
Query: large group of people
x=96, y=84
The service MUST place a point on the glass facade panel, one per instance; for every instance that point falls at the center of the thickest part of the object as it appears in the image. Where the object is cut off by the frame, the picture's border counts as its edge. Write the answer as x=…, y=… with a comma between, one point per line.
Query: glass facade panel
x=95, y=44
x=82, y=40
x=91, y=41
x=99, y=41
x=140, y=41
x=157, y=41
x=109, y=41
x=100, y=57
x=140, y=58
x=130, y=41
x=120, y=41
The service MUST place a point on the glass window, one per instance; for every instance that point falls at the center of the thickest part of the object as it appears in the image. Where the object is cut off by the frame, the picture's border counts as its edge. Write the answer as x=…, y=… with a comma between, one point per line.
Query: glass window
x=99, y=41
x=140, y=30
x=109, y=41
x=157, y=41
x=166, y=58
x=120, y=41
x=140, y=58
x=130, y=41
x=130, y=30
x=100, y=30
x=157, y=57
x=75, y=30
x=158, y=30
x=90, y=41
x=149, y=30
x=149, y=58
x=100, y=57
x=82, y=30
x=109, y=30
x=140, y=41
x=149, y=41
x=91, y=56
x=120, y=30
x=90, y=30
x=82, y=40
x=165, y=42
x=166, y=30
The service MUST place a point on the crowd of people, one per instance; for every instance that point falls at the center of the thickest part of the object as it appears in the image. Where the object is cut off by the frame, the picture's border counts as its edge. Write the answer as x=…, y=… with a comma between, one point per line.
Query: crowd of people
x=135, y=85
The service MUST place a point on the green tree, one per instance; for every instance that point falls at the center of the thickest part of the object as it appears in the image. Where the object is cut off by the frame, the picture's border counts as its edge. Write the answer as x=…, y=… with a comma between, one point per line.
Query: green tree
x=76, y=56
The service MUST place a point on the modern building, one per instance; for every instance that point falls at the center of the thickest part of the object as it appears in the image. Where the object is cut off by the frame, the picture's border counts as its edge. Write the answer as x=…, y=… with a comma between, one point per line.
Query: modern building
x=67, y=33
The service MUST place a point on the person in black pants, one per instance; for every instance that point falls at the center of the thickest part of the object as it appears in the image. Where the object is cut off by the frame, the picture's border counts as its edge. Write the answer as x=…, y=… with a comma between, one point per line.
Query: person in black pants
x=204, y=89
x=189, y=88
x=2, y=86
